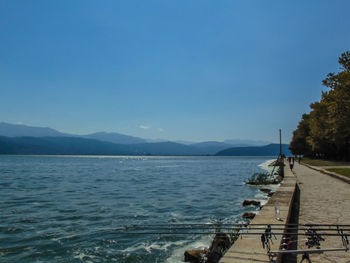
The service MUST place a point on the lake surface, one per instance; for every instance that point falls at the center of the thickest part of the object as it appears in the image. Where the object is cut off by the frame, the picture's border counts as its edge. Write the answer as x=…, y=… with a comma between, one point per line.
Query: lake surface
x=66, y=209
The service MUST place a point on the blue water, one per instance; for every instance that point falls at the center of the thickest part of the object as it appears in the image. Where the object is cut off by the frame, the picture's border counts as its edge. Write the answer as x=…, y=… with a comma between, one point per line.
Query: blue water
x=66, y=209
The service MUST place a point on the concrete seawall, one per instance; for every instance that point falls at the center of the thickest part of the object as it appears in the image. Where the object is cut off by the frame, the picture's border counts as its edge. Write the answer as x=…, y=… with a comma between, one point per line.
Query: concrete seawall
x=248, y=248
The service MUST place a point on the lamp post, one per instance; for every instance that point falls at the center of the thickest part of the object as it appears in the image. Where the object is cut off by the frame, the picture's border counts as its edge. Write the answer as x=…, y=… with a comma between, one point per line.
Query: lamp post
x=281, y=156
x=280, y=143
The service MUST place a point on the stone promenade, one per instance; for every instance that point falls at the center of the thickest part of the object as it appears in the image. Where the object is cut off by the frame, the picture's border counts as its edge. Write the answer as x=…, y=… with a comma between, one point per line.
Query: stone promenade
x=323, y=200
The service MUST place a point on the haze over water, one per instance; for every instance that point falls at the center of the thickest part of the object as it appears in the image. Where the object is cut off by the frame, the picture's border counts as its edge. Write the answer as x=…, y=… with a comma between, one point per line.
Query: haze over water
x=66, y=209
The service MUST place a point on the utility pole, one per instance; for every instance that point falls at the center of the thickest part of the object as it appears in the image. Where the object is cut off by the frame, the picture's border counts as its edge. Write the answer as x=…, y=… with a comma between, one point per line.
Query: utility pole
x=281, y=157
x=280, y=143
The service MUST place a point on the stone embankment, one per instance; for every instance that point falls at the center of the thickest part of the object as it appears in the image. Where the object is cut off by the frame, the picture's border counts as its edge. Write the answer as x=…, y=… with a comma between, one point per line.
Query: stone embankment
x=248, y=248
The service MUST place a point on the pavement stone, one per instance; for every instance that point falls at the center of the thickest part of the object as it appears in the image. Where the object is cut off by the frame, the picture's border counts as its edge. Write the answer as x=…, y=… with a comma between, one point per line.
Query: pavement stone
x=323, y=200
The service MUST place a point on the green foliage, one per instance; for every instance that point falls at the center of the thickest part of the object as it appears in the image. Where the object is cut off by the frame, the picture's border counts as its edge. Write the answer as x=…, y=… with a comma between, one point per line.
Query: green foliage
x=325, y=132
x=299, y=144
x=344, y=60
x=259, y=178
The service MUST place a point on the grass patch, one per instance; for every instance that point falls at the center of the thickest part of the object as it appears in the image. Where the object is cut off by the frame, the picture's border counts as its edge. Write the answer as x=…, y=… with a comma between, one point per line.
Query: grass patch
x=317, y=162
x=342, y=171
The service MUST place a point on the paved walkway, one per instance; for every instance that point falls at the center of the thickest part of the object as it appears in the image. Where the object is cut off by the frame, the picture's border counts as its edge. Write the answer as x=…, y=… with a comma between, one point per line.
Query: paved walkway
x=324, y=170
x=323, y=200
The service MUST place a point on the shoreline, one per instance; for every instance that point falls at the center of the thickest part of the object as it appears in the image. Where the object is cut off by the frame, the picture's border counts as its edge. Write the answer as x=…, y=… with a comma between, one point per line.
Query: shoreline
x=249, y=248
x=193, y=254
x=135, y=156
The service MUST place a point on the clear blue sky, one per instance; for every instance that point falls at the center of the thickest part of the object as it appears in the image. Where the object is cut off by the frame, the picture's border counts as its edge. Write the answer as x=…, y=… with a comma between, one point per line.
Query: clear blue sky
x=192, y=70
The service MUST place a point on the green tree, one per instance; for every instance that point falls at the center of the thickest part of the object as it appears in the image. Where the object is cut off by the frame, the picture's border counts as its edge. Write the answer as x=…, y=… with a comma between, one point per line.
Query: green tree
x=319, y=131
x=325, y=132
x=299, y=144
x=338, y=105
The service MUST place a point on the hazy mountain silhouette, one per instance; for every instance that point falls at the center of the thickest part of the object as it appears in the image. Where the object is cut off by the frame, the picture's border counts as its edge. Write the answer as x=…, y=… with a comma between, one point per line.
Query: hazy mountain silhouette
x=18, y=130
x=115, y=138
x=211, y=147
x=83, y=146
x=243, y=143
x=23, y=139
x=267, y=150
x=59, y=145
x=165, y=148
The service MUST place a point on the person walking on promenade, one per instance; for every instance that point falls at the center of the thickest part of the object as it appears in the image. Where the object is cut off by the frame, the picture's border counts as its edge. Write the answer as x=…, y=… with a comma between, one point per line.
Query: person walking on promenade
x=291, y=162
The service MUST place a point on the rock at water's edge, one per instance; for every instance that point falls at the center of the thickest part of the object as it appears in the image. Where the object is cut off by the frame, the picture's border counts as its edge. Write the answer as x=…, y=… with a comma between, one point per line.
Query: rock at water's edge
x=265, y=190
x=220, y=244
x=251, y=202
x=194, y=256
x=248, y=215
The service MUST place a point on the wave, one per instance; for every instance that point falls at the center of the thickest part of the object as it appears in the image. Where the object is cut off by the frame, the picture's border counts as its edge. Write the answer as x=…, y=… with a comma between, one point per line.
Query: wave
x=265, y=165
x=98, y=195
x=151, y=246
x=177, y=255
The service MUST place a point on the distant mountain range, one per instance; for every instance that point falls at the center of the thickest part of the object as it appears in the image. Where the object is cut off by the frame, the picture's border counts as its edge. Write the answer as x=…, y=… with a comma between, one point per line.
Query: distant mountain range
x=22, y=139
x=238, y=142
x=114, y=138
x=267, y=150
x=83, y=146
x=20, y=130
x=211, y=147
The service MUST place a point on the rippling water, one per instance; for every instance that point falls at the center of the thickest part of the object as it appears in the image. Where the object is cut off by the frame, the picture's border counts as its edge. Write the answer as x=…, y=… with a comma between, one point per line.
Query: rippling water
x=65, y=209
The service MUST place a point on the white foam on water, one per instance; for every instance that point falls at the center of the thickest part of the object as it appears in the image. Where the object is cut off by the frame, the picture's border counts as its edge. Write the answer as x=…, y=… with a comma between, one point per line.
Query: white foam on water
x=153, y=246
x=175, y=214
x=272, y=187
x=177, y=255
x=134, y=248
x=265, y=165
x=83, y=256
x=262, y=197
